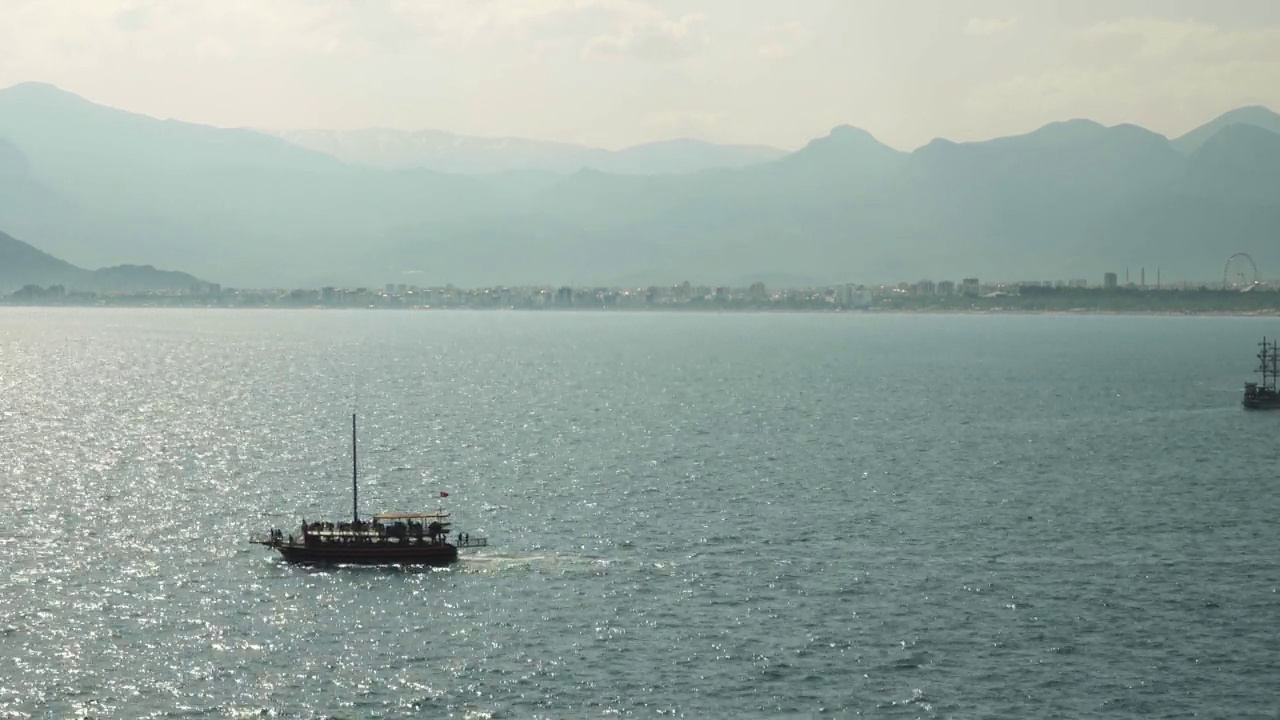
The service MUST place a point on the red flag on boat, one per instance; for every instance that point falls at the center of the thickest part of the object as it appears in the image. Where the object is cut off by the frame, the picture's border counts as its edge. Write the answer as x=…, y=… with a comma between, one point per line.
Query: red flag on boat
x=444, y=494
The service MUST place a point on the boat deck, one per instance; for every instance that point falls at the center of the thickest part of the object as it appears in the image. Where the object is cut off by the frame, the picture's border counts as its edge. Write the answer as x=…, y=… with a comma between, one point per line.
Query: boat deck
x=365, y=539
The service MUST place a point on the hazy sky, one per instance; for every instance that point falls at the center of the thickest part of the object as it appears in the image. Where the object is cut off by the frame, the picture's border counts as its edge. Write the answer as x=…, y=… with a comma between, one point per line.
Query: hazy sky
x=620, y=72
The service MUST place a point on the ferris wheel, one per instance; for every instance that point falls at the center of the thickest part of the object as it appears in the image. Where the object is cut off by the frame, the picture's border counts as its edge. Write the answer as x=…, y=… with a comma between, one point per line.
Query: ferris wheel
x=1240, y=272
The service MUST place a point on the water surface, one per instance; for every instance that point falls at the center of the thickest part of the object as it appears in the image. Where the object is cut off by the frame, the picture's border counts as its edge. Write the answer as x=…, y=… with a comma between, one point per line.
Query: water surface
x=719, y=515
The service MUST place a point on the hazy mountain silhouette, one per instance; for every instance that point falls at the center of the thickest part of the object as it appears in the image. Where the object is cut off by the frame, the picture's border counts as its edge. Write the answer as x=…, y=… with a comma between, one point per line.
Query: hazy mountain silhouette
x=29, y=208
x=1240, y=161
x=452, y=153
x=230, y=203
x=1071, y=199
x=21, y=264
x=1254, y=115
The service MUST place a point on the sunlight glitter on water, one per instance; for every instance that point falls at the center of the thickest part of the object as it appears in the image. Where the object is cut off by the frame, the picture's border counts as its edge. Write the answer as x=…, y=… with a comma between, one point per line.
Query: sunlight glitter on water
x=694, y=515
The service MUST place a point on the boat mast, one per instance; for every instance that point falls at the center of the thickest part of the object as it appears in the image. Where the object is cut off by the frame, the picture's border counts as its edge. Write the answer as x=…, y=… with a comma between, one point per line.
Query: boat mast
x=355, y=488
x=1262, y=358
x=1274, y=358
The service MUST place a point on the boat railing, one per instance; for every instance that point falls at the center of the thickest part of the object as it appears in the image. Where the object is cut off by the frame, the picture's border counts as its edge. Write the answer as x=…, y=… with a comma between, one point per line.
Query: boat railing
x=368, y=534
x=471, y=542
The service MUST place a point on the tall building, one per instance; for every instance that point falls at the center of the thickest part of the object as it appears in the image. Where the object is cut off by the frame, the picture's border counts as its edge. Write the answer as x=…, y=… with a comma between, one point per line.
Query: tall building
x=851, y=296
x=1109, y=281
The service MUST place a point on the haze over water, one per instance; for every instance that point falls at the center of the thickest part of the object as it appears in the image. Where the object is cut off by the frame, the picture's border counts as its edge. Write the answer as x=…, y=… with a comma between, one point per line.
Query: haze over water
x=690, y=515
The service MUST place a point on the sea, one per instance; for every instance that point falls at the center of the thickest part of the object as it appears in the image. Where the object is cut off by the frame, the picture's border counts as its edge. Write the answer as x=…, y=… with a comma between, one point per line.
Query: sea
x=689, y=515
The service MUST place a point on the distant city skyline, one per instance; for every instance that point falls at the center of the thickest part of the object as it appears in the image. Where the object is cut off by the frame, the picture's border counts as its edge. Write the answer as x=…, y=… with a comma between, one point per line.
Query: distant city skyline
x=617, y=73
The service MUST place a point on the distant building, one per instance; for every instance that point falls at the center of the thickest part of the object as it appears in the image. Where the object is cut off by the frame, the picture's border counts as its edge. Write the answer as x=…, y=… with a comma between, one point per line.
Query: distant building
x=970, y=286
x=946, y=287
x=1109, y=281
x=925, y=287
x=850, y=296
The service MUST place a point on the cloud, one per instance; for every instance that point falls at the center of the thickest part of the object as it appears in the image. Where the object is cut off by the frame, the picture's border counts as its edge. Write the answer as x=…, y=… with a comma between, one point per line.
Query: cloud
x=1155, y=40
x=654, y=39
x=610, y=27
x=41, y=33
x=685, y=123
x=785, y=40
x=55, y=36
x=1146, y=70
x=989, y=26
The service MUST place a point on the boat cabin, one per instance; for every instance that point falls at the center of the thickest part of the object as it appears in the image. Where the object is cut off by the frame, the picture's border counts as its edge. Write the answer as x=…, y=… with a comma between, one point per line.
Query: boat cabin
x=389, y=528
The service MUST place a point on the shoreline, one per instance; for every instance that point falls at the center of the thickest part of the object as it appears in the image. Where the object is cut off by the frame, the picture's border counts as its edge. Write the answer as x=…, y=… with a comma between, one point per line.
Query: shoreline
x=1269, y=312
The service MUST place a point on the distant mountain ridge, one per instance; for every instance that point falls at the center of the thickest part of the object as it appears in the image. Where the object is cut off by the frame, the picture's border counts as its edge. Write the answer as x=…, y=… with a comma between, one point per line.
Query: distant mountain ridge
x=452, y=153
x=1252, y=115
x=98, y=186
x=22, y=264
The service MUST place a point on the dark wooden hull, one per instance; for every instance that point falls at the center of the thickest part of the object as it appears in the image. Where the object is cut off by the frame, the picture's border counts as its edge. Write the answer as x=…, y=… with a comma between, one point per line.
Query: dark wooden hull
x=1261, y=401
x=389, y=554
x=1261, y=404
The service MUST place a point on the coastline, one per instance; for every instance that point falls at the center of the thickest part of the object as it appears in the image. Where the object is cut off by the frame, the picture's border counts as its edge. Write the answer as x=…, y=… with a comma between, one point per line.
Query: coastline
x=672, y=309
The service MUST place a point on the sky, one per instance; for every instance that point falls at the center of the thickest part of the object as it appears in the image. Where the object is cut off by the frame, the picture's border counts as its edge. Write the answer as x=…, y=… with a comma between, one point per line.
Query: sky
x=614, y=73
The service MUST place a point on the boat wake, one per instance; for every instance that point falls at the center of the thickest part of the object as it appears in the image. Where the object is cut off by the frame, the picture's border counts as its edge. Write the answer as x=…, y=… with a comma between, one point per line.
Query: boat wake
x=491, y=562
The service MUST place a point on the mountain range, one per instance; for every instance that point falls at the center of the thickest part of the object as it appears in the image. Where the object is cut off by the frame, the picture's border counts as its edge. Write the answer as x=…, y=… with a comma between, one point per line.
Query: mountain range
x=21, y=264
x=453, y=153
x=100, y=186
